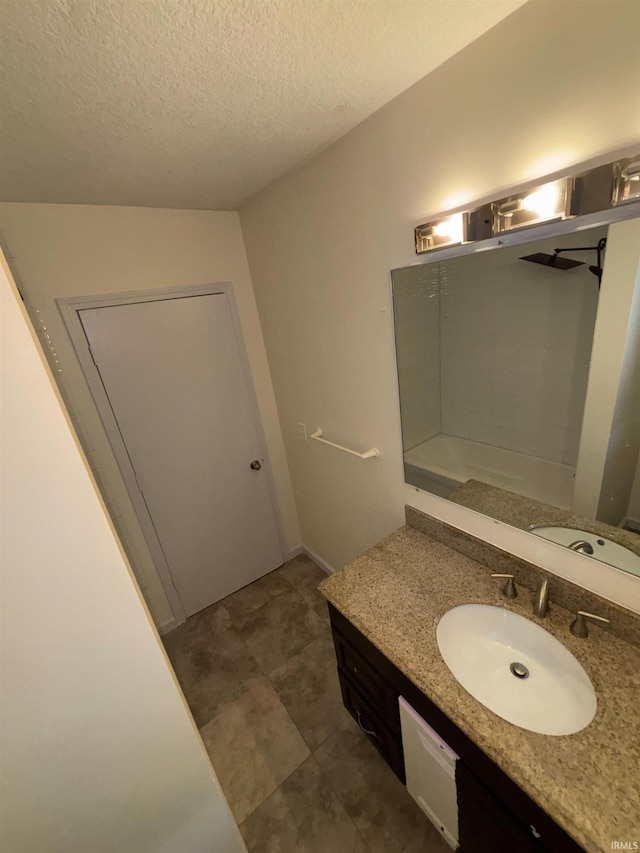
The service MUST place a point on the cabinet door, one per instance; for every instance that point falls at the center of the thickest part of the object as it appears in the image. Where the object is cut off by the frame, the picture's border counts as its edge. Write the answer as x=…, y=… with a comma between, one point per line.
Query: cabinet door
x=385, y=741
x=485, y=825
x=380, y=695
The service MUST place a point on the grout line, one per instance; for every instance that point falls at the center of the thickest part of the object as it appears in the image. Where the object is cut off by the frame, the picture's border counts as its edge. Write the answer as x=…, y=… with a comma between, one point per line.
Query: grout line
x=337, y=793
x=240, y=643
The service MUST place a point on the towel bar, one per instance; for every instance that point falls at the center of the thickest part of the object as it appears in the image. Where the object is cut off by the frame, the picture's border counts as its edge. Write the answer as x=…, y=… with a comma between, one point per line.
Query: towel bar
x=368, y=454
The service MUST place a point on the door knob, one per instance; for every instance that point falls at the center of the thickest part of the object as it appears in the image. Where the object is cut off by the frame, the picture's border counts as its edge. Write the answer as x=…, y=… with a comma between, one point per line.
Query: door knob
x=255, y=465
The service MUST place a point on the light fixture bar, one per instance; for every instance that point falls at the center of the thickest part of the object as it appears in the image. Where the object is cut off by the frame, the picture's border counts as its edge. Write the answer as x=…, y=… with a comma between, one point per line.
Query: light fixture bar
x=589, y=192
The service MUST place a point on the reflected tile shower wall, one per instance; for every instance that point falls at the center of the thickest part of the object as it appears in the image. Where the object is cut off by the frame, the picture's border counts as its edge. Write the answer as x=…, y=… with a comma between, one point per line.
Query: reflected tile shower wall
x=515, y=350
x=416, y=308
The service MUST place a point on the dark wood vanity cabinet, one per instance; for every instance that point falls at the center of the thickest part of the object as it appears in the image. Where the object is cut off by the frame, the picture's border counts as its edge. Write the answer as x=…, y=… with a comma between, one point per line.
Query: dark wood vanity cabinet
x=494, y=814
x=371, y=701
x=485, y=825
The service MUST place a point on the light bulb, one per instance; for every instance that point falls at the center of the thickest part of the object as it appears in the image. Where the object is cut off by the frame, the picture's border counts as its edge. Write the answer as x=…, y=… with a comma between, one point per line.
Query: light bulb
x=447, y=231
x=451, y=228
x=544, y=201
x=442, y=229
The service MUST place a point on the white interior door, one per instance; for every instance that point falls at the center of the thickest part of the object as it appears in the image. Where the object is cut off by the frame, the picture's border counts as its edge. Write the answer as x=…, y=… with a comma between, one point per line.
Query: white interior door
x=173, y=372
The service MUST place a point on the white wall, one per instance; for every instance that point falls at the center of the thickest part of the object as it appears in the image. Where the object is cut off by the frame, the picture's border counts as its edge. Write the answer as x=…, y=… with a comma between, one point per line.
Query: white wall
x=545, y=89
x=613, y=363
x=516, y=343
x=624, y=441
x=78, y=250
x=99, y=752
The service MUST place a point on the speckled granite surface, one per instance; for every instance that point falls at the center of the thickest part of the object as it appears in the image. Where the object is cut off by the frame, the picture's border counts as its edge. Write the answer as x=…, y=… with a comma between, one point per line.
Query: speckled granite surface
x=589, y=782
x=522, y=512
x=625, y=623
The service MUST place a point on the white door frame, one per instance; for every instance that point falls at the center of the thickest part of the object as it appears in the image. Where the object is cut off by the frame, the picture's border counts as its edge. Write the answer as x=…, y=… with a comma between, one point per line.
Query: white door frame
x=69, y=308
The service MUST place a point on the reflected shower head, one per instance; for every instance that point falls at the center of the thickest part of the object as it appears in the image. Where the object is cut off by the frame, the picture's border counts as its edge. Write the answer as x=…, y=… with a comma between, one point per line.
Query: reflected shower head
x=566, y=263
x=554, y=261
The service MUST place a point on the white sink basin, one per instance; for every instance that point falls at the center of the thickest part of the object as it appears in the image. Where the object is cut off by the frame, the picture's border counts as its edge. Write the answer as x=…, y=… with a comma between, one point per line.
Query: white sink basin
x=516, y=669
x=602, y=549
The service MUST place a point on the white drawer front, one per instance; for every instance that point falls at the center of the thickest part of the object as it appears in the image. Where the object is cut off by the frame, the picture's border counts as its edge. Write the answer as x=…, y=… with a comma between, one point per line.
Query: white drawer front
x=430, y=765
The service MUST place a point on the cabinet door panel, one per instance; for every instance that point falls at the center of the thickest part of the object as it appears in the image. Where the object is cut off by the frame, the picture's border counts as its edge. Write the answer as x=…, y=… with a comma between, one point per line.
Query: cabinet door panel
x=385, y=741
x=382, y=697
x=485, y=825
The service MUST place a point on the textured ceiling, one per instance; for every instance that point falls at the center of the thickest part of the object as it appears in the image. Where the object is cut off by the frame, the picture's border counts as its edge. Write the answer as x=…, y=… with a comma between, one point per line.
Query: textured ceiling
x=201, y=103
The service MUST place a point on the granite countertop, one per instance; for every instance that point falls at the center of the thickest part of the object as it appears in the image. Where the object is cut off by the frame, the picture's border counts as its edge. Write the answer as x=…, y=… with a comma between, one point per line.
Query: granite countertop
x=520, y=511
x=588, y=782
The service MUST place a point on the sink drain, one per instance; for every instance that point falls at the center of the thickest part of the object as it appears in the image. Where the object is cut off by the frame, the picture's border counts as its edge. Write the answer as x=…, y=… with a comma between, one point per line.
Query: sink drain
x=519, y=670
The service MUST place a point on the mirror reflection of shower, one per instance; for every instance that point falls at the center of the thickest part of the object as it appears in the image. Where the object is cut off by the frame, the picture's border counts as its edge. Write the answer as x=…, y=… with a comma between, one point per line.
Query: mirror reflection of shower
x=556, y=262
x=493, y=362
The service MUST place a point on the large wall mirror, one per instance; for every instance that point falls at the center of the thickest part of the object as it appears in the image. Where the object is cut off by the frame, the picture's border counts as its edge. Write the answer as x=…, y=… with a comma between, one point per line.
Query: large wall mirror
x=519, y=382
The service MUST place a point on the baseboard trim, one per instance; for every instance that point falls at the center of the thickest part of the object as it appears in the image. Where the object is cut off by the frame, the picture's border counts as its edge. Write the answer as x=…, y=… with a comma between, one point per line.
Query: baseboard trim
x=293, y=552
x=167, y=626
x=326, y=568
x=172, y=623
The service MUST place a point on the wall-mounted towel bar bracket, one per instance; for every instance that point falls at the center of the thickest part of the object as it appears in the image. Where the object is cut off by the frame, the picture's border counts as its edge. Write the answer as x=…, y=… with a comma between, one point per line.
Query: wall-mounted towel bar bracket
x=368, y=454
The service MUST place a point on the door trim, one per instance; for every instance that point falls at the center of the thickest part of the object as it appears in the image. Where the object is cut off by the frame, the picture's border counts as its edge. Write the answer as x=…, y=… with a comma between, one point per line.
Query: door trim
x=70, y=308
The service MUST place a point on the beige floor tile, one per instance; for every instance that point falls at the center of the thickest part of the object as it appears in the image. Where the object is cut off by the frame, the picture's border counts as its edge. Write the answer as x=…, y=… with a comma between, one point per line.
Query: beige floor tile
x=304, y=575
x=344, y=799
x=303, y=816
x=426, y=839
x=250, y=597
x=321, y=607
x=301, y=571
x=254, y=746
x=310, y=691
x=376, y=801
x=212, y=662
x=280, y=629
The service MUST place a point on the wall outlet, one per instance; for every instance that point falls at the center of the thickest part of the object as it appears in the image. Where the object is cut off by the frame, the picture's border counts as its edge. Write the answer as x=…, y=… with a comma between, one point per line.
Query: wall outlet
x=302, y=432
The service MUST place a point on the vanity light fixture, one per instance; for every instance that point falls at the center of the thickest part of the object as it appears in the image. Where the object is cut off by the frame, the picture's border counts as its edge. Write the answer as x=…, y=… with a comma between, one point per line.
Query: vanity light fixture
x=545, y=203
x=593, y=191
x=448, y=231
x=626, y=180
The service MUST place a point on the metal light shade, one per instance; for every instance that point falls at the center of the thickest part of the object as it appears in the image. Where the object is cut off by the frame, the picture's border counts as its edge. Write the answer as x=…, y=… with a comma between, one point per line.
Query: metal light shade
x=626, y=180
x=545, y=203
x=449, y=231
x=590, y=192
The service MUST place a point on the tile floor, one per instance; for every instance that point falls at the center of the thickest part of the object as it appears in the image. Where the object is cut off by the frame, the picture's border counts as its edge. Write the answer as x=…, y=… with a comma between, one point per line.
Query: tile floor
x=258, y=671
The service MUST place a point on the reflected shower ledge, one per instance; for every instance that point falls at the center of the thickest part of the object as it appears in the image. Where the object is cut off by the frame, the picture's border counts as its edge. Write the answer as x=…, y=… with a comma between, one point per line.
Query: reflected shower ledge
x=442, y=463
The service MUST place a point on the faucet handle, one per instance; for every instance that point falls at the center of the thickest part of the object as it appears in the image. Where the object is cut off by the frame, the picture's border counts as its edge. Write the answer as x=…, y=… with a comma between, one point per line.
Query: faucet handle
x=579, y=625
x=509, y=589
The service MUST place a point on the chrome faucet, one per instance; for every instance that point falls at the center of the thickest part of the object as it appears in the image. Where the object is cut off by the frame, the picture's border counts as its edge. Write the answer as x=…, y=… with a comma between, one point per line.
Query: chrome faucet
x=541, y=601
x=581, y=546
